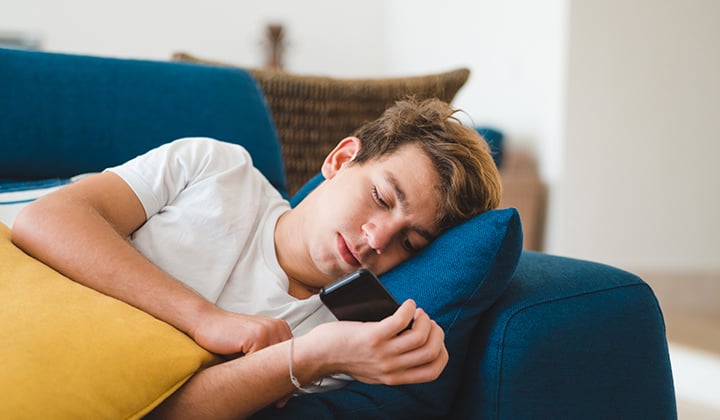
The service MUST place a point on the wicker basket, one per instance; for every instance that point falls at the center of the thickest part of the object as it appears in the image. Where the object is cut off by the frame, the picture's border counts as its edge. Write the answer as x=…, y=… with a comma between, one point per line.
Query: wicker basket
x=313, y=113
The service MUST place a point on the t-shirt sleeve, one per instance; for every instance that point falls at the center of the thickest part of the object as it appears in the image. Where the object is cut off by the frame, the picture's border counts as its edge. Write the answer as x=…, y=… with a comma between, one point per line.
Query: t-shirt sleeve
x=160, y=175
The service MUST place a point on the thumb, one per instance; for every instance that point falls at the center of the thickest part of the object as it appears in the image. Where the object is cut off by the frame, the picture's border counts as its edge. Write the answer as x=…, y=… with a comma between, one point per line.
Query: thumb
x=400, y=320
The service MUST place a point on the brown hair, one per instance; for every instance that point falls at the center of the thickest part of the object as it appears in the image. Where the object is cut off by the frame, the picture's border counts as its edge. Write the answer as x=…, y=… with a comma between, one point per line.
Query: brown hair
x=469, y=180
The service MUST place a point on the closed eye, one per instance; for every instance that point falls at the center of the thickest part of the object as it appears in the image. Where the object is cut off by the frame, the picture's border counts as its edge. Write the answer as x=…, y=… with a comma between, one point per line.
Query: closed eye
x=378, y=199
x=408, y=246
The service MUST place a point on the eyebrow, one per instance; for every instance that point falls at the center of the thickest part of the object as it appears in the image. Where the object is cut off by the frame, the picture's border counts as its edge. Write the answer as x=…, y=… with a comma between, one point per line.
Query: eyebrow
x=402, y=199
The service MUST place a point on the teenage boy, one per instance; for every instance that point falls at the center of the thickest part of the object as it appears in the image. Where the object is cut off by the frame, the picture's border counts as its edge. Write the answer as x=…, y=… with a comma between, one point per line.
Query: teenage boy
x=194, y=235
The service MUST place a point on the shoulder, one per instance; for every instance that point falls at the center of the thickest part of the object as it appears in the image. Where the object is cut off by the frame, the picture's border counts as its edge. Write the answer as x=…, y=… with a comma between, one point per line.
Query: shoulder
x=205, y=155
x=201, y=146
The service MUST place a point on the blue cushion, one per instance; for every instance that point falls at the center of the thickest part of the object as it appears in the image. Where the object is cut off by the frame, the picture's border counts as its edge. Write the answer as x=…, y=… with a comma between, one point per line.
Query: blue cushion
x=454, y=280
x=16, y=195
x=18, y=186
x=569, y=339
x=305, y=190
x=66, y=114
x=496, y=140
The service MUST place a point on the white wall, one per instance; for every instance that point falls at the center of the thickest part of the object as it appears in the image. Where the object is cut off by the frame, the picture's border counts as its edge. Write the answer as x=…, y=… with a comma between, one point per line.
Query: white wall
x=517, y=59
x=641, y=188
x=325, y=36
x=516, y=51
x=619, y=98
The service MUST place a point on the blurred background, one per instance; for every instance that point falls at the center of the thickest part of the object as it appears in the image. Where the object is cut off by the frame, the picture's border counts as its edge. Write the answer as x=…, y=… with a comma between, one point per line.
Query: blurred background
x=613, y=105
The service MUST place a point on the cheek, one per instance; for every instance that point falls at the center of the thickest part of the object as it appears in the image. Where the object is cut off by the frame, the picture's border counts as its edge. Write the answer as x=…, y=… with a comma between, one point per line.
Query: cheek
x=345, y=210
x=389, y=260
x=338, y=218
x=353, y=213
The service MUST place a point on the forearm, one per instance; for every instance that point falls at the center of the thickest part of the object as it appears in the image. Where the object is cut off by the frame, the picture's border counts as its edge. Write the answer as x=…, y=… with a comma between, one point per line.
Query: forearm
x=80, y=243
x=370, y=352
x=241, y=387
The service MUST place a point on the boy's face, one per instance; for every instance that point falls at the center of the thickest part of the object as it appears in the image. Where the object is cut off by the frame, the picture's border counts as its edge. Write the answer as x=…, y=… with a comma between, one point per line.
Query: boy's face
x=373, y=215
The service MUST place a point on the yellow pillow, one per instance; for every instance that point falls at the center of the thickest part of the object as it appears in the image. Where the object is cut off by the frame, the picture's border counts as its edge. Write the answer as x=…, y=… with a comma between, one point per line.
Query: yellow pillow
x=68, y=352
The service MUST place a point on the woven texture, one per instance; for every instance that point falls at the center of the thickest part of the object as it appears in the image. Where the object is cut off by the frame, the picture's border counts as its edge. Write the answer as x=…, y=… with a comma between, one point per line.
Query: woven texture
x=313, y=113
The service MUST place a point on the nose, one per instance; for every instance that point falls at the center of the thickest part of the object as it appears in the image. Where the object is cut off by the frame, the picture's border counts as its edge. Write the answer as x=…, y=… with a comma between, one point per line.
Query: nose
x=380, y=233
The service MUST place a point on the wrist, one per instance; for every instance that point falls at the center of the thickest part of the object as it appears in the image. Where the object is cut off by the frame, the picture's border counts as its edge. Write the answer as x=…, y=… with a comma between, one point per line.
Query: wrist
x=308, y=365
x=300, y=387
x=197, y=317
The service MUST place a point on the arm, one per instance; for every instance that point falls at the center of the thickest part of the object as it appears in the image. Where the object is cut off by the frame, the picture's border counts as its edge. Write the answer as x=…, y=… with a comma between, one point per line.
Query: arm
x=81, y=230
x=370, y=352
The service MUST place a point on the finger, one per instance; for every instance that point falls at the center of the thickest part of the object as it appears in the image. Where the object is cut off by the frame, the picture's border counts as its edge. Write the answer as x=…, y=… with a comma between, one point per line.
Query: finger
x=282, y=331
x=415, y=337
x=421, y=373
x=422, y=364
x=415, y=348
x=268, y=332
x=281, y=403
x=398, y=322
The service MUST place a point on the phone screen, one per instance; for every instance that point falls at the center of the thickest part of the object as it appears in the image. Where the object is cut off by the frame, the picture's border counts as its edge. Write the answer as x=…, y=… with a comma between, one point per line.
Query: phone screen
x=359, y=296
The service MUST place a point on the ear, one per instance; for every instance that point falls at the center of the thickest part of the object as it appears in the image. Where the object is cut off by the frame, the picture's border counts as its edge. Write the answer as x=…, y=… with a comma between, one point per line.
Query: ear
x=343, y=153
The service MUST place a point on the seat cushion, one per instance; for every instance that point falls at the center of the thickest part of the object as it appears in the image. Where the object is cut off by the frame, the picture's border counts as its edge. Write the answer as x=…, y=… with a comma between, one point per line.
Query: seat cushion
x=454, y=280
x=69, y=352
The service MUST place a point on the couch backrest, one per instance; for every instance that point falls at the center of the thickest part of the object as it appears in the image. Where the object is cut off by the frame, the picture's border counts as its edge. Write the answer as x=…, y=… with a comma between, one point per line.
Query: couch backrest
x=62, y=115
x=312, y=113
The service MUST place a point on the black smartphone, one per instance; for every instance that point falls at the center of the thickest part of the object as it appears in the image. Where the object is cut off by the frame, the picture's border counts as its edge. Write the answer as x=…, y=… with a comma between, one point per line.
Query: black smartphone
x=359, y=296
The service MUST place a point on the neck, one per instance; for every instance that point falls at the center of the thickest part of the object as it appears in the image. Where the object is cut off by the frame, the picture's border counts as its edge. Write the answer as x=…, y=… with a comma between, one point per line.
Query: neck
x=289, y=255
x=299, y=290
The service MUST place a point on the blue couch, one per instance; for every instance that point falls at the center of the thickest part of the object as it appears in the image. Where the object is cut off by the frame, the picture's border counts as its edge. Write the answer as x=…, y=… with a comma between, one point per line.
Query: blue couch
x=565, y=339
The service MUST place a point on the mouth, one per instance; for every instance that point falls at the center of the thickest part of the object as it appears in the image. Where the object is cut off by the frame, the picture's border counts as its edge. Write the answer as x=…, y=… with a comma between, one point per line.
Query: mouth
x=346, y=253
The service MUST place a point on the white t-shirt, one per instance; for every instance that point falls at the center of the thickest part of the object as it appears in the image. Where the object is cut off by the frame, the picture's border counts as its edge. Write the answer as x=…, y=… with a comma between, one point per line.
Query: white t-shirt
x=211, y=218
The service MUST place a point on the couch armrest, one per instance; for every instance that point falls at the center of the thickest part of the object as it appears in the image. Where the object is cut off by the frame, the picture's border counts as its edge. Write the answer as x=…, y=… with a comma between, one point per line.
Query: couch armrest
x=569, y=339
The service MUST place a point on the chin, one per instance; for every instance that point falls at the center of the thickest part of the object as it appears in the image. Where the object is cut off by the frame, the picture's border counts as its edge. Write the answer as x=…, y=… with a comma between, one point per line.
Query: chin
x=326, y=271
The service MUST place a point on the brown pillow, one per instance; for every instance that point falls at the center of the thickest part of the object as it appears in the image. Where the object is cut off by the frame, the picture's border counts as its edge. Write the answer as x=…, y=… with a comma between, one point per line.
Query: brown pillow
x=313, y=113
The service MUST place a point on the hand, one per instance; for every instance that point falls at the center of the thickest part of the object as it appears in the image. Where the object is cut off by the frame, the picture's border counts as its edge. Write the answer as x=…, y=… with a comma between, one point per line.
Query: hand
x=229, y=333
x=381, y=352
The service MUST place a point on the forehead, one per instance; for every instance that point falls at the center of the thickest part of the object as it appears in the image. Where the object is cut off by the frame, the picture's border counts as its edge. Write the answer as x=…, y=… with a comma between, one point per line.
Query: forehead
x=410, y=158
x=413, y=179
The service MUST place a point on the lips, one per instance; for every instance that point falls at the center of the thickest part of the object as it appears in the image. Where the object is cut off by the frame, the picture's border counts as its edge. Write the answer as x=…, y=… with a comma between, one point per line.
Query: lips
x=345, y=253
